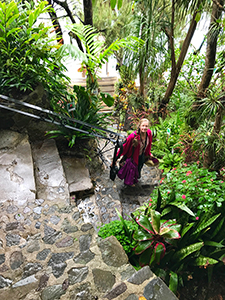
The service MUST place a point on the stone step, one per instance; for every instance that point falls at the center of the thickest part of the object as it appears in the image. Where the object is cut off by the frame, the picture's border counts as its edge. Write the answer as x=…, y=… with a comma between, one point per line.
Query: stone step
x=77, y=175
x=49, y=173
x=17, y=182
x=81, y=189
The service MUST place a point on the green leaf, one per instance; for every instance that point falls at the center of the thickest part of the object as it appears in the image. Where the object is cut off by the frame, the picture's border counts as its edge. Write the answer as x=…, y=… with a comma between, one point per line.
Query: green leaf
x=173, y=284
x=11, y=7
x=198, y=17
x=218, y=227
x=166, y=211
x=107, y=99
x=206, y=224
x=12, y=19
x=159, y=252
x=214, y=244
x=142, y=246
x=155, y=218
x=202, y=260
x=181, y=254
x=12, y=30
x=170, y=234
x=31, y=19
x=127, y=231
x=145, y=257
x=141, y=235
x=144, y=222
x=183, y=207
x=186, y=229
x=159, y=200
x=119, y=4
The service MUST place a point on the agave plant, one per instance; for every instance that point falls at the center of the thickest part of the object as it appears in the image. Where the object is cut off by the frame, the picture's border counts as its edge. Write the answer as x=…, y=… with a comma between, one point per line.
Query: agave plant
x=153, y=236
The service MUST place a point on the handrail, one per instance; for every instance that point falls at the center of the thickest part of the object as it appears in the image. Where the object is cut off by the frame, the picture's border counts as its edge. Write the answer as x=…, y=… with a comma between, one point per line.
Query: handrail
x=49, y=116
x=55, y=118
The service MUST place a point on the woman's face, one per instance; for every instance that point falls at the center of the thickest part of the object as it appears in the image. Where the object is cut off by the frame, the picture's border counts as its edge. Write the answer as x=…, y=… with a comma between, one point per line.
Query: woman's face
x=144, y=126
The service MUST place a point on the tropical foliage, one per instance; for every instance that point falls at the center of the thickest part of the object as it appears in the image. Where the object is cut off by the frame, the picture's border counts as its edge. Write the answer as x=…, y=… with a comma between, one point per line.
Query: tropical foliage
x=175, y=249
x=84, y=107
x=195, y=186
x=28, y=54
x=96, y=51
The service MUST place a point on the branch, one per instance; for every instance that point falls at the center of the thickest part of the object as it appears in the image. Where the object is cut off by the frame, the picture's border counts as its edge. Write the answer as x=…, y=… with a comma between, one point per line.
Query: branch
x=56, y=24
x=64, y=5
x=218, y=4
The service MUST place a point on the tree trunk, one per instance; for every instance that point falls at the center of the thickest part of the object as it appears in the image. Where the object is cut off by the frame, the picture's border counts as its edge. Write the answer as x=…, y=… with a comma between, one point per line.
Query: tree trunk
x=210, y=153
x=88, y=12
x=210, y=57
x=176, y=67
x=142, y=81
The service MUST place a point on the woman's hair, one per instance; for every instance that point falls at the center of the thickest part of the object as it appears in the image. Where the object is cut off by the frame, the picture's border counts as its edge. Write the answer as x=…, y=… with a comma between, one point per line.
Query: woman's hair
x=135, y=140
x=141, y=122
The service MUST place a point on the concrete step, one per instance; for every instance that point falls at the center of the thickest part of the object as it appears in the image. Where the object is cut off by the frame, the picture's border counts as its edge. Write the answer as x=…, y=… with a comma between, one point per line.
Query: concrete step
x=17, y=184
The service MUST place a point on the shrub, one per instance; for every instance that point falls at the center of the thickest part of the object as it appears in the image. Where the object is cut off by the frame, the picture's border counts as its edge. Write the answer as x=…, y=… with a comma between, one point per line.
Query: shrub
x=116, y=228
x=195, y=186
x=28, y=55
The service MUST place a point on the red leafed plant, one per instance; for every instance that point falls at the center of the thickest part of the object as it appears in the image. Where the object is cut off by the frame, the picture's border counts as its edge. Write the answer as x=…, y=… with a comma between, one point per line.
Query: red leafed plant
x=153, y=237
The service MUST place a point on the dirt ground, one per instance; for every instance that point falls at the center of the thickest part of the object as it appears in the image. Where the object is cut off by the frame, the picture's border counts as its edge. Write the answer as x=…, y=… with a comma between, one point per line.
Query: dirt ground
x=201, y=289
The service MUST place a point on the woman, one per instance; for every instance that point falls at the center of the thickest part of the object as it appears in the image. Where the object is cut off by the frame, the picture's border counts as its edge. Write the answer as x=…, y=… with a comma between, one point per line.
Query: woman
x=138, y=146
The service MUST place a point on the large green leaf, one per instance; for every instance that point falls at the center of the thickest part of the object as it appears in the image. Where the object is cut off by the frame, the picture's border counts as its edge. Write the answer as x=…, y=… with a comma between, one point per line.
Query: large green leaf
x=202, y=260
x=170, y=234
x=155, y=218
x=142, y=246
x=181, y=254
x=107, y=99
x=145, y=257
x=173, y=284
x=141, y=235
x=119, y=3
x=113, y=3
x=144, y=222
x=166, y=211
x=159, y=251
x=186, y=229
x=218, y=228
x=183, y=207
x=214, y=244
x=206, y=224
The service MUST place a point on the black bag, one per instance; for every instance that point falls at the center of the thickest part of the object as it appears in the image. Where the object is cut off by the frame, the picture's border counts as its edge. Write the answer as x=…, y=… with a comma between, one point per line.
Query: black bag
x=113, y=172
x=113, y=168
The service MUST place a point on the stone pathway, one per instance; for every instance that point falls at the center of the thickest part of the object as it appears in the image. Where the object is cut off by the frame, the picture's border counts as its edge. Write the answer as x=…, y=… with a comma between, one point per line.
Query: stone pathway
x=49, y=247
x=114, y=194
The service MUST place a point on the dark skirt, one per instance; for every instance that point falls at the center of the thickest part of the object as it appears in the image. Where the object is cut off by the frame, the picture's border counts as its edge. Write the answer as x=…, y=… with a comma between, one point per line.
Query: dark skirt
x=141, y=161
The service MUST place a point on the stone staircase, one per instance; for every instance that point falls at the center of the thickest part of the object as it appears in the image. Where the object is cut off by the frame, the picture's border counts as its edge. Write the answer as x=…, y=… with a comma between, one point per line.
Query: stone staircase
x=50, y=210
